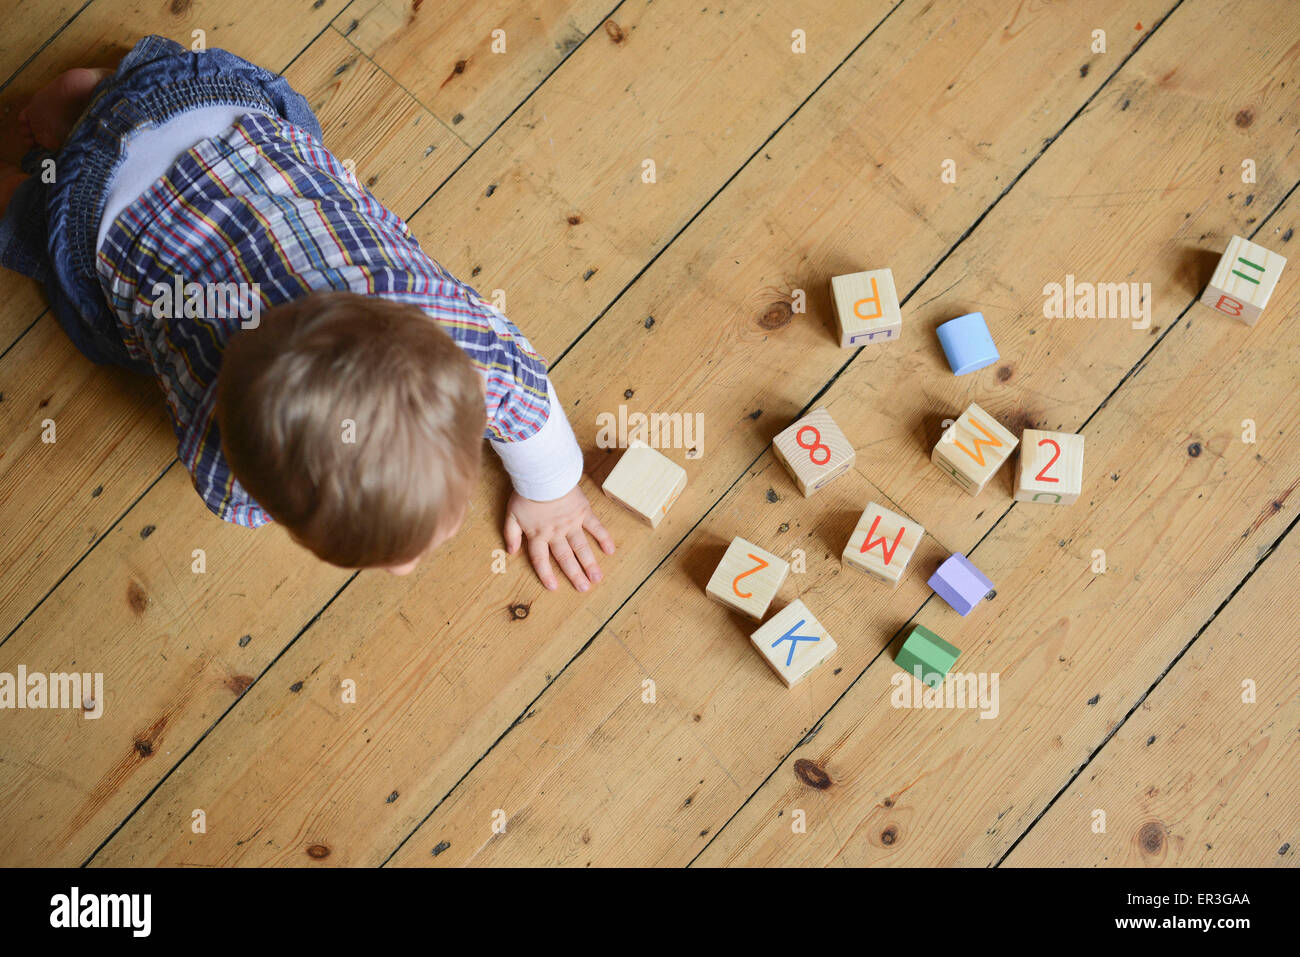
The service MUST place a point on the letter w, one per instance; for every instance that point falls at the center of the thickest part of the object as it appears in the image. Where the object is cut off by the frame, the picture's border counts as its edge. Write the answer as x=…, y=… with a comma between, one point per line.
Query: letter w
x=978, y=454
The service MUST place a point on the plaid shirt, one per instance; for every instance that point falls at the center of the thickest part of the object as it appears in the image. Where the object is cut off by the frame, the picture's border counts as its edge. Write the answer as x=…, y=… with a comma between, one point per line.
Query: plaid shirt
x=266, y=203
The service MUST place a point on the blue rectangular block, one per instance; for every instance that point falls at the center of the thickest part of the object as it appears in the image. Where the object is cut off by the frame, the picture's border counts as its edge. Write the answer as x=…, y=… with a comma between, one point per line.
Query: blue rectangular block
x=960, y=583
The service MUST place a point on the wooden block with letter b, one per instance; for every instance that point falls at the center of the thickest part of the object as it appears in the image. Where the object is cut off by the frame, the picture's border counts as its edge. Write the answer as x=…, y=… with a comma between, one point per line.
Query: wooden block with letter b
x=866, y=308
x=882, y=544
x=1051, y=467
x=973, y=448
x=793, y=642
x=645, y=482
x=747, y=578
x=1244, y=280
x=814, y=450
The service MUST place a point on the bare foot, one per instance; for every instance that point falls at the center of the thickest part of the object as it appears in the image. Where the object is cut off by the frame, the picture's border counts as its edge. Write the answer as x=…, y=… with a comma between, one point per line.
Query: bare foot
x=49, y=117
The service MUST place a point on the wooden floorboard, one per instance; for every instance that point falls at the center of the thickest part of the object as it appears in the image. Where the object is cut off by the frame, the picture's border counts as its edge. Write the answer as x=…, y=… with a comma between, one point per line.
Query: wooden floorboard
x=451, y=673
x=1205, y=772
x=482, y=697
x=687, y=763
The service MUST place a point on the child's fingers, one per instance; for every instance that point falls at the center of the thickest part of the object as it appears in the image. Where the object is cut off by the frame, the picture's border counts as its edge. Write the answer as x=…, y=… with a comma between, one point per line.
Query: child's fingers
x=578, y=541
x=569, y=563
x=514, y=534
x=592, y=524
x=541, y=558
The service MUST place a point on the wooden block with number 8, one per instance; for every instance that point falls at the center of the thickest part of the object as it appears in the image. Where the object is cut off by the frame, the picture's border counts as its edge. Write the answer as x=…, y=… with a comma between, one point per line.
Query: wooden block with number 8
x=793, y=642
x=815, y=451
x=747, y=578
x=866, y=308
x=882, y=544
x=1051, y=467
x=645, y=482
x=973, y=448
x=1244, y=280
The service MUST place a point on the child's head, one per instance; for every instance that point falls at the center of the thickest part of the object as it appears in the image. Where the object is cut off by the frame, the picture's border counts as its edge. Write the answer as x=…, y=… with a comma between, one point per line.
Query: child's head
x=355, y=422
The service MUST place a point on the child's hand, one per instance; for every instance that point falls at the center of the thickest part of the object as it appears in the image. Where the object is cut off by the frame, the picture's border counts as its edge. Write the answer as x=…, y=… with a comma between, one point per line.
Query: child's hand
x=558, y=527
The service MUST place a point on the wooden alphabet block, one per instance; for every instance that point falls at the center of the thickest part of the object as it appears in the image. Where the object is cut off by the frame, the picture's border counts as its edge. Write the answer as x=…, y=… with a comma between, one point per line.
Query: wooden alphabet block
x=747, y=578
x=645, y=482
x=814, y=450
x=1243, y=281
x=973, y=448
x=882, y=544
x=793, y=642
x=866, y=308
x=926, y=651
x=1051, y=467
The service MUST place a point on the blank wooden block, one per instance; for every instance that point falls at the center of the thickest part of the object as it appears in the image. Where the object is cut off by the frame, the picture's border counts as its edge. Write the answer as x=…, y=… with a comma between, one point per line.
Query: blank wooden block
x=645, y=482
x=1243, y=281
x=925, y=650
x=973, y=448
x=793, y=642
x=747, y=578
x=814, y=450
x=1051, y=467
x=882, y=544
x=866, y=308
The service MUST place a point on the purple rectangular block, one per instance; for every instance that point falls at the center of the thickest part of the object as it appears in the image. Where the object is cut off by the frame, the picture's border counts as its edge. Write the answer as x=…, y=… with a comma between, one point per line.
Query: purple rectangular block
x=960, y=583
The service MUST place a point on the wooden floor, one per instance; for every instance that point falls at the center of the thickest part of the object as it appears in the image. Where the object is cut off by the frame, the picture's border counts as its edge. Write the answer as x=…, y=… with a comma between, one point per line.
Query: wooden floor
x=1147, y=714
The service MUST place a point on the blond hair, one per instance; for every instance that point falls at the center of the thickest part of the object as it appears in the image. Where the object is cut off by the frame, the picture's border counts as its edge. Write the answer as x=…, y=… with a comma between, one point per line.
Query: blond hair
x=290, y=389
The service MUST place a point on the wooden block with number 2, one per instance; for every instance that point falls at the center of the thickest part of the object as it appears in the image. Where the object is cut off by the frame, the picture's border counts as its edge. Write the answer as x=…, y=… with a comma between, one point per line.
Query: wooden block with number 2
x=1051, y=467
x=815, y=451
x=747, y=578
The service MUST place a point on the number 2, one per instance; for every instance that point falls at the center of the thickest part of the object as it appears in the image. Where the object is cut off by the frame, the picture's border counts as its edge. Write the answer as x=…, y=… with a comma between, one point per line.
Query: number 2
x=735, y=582
x=1040, y=477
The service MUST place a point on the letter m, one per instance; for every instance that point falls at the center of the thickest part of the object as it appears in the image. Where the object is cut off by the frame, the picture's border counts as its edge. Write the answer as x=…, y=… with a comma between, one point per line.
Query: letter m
x=885, y=548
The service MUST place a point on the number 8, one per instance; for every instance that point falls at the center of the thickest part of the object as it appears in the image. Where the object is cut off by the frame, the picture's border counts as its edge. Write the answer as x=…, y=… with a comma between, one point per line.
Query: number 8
x=817, y=444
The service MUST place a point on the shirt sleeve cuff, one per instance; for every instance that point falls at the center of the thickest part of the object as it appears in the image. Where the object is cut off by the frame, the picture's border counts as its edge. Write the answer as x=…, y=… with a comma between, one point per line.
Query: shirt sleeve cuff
x=547, y=464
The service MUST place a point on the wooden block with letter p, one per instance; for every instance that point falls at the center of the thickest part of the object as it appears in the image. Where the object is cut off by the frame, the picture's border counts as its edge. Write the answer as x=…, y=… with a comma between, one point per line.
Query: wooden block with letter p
x=973, y=448
x=814, y=450
x=747, y=578
x=882, y=544
x=645, y=482
x=1243, y=281
x=866, y=308
x=793, y=642
x=1051, y=467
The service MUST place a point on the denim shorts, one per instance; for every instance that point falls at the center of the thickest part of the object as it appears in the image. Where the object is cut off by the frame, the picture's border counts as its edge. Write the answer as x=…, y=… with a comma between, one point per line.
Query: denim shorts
x=49, y=231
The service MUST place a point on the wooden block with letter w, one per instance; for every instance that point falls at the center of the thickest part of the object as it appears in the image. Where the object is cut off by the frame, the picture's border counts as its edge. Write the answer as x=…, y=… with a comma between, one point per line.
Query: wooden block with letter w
x=973, y=448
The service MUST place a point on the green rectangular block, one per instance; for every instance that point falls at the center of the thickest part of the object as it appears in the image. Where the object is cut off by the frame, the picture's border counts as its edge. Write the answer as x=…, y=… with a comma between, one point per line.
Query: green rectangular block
x=935, y=656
